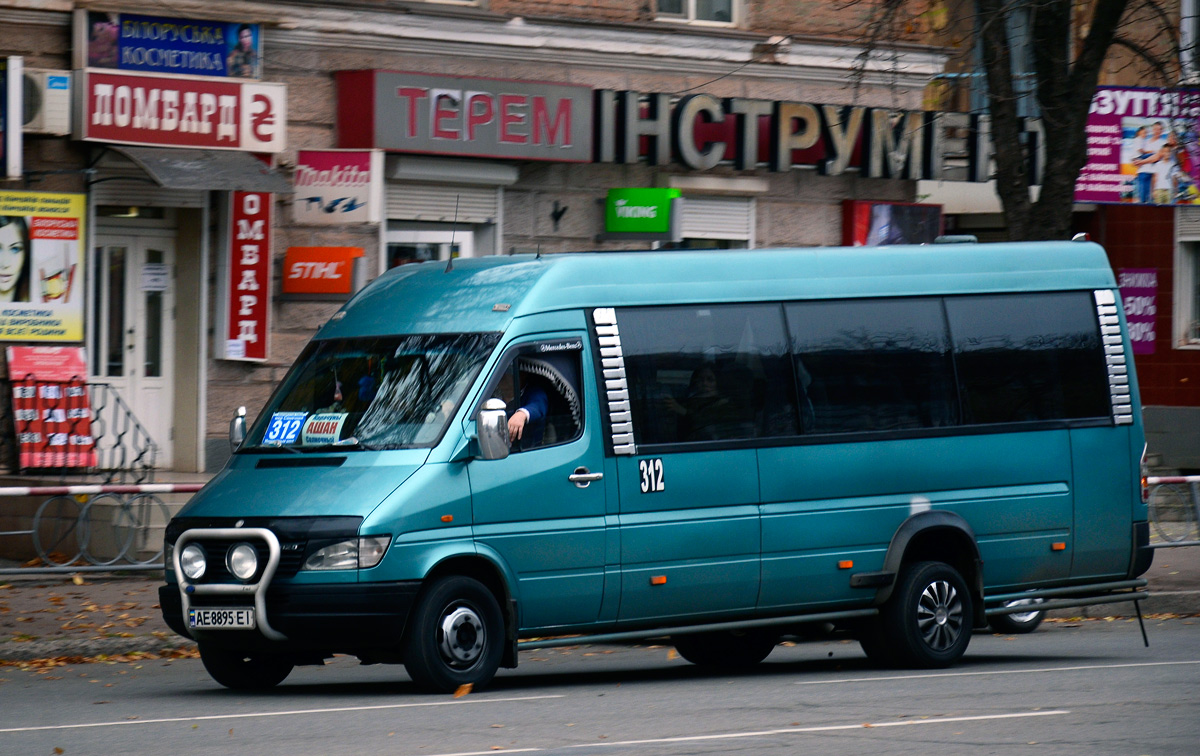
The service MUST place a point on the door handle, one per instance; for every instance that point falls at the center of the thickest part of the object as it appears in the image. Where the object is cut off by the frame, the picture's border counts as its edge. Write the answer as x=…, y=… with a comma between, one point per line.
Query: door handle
x=582, y=477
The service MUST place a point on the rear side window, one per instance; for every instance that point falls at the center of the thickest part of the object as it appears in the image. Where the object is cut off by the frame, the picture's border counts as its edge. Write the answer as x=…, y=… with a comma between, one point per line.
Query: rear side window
x=1032, y=357
x=712, y=373
x=872, y=365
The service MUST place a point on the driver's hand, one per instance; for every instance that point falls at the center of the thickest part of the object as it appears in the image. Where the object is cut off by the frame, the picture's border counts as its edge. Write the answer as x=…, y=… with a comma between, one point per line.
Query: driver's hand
x=516, y=425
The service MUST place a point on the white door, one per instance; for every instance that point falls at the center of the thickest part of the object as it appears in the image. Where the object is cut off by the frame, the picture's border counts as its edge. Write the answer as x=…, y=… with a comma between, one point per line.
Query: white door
x=405, y=247
x=133, y=332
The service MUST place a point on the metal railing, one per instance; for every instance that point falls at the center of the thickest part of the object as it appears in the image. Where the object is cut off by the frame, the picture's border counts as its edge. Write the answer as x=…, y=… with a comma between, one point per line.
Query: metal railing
x=1174, y=506
x=97, y=527
x=75, y=430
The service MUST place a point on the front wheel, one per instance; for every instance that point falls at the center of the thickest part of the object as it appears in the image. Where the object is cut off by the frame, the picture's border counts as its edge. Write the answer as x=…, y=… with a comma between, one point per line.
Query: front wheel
x=927, y=622
x=245, y=671
x=456, y=636
x=726, y=650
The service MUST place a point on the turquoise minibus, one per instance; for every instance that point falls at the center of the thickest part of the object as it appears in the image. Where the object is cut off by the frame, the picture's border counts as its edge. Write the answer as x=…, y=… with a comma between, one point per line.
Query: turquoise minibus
x=722, y=449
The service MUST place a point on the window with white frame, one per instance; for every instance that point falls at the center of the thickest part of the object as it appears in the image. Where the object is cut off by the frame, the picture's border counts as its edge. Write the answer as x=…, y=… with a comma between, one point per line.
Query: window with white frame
x=700, y=11
x=1187, y=294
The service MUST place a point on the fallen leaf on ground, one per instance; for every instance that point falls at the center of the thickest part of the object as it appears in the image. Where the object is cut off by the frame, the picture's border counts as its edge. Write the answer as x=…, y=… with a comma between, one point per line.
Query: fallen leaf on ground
x=463, y=690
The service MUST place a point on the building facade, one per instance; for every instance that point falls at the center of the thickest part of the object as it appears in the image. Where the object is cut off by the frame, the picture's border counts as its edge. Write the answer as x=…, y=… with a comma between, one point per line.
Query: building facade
x=327, y=142
x=525, y=119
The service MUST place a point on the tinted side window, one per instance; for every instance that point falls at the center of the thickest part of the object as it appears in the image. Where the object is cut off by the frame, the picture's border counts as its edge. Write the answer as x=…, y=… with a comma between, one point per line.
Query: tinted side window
x=1028, y=357
x=709, y=373
x=872, y=365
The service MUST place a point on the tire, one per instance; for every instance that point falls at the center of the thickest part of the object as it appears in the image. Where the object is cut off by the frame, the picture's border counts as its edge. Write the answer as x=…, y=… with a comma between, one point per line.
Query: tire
x=239, y=670
x=926, y=624
x=1172, y=513
x=455, y=637
x=726, y=650
x=1020, y=623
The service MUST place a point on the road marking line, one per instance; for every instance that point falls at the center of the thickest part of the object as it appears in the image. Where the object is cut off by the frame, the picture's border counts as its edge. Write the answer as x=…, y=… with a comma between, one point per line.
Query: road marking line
x=767, y=733
x=293, y=712
x=994, y=672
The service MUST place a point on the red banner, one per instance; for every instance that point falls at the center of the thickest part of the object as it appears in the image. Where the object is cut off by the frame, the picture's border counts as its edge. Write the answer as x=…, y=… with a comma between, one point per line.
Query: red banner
x=50, y=406
x=172, y=111
x=249, y=276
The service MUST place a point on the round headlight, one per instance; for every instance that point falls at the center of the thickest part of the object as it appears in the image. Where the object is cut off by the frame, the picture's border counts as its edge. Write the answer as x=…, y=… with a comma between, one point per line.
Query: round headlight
x=242, y=561
x=192, y=561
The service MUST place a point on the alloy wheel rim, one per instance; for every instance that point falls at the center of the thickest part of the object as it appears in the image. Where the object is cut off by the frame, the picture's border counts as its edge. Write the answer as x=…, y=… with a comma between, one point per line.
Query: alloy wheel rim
x=461, y=636
x=940, y=615
x=1024, y=617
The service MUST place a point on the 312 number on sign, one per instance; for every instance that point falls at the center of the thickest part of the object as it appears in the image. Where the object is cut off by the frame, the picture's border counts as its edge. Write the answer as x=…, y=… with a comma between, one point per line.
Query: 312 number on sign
x=651, y=472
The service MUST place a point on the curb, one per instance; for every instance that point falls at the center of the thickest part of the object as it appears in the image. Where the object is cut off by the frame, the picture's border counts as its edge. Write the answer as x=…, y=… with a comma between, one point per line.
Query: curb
x=1164, y=602
x=91, y=647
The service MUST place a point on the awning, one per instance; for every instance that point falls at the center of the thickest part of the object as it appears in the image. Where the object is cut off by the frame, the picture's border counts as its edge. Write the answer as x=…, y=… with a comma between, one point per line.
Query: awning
x=222, y=170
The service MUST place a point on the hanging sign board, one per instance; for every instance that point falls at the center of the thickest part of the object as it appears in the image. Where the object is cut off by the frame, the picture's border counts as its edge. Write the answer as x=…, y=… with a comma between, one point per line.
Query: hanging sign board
x=50, y=407
x=336, y=187
x=248, y=285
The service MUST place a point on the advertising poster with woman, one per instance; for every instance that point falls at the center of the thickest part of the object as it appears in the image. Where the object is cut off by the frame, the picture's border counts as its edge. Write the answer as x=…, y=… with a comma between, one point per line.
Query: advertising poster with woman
x=41, y=266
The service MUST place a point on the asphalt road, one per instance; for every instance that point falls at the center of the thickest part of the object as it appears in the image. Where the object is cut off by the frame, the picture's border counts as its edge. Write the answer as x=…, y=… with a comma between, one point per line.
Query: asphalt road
x=1085, y=687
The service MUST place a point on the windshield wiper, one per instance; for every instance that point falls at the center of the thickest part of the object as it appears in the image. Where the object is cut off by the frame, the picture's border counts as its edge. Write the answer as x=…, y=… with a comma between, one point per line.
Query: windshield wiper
x=270, y=448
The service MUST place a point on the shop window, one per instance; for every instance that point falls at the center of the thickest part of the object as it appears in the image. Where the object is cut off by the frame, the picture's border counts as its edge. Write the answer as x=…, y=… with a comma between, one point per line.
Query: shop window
x=699, y=11
x=715, y=373
x=1187, y=294
x=872, y=365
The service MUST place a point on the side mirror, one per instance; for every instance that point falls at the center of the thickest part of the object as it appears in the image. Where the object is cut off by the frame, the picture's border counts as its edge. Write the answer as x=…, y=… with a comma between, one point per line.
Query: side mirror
x=237, y=429
x=491, y=424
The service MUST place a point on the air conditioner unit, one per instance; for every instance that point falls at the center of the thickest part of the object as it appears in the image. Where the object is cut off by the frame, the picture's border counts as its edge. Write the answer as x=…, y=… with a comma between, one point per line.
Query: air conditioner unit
x=47, y=102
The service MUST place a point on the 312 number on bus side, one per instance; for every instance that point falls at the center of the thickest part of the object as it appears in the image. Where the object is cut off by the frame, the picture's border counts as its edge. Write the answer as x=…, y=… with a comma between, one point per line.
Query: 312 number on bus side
x=650, y=472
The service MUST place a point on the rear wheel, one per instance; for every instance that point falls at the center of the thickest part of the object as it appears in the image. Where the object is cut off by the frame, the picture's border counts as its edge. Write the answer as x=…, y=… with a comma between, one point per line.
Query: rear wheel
x=240, y=670
x=456, y=636
x=726, y=650
x=1021, y=622
x=927, y=621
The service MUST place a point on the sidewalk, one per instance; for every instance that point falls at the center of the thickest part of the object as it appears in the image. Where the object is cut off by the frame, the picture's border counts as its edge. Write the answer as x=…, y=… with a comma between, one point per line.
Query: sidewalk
x=45, y=617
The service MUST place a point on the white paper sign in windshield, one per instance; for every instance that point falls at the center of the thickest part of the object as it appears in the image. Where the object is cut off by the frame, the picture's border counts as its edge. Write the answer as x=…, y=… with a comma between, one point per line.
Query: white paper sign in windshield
x=323, y=428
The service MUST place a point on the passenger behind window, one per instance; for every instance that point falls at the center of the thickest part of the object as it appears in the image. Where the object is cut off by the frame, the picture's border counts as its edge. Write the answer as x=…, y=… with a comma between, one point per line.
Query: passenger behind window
x=706, y=412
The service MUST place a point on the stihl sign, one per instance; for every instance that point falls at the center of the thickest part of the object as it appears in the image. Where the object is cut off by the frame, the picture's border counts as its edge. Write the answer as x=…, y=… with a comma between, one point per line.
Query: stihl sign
x=172, y=111
x=319, y=270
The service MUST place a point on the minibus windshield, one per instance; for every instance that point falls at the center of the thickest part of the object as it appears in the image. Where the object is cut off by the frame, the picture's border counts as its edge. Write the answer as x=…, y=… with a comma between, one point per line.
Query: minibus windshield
x=390, y=392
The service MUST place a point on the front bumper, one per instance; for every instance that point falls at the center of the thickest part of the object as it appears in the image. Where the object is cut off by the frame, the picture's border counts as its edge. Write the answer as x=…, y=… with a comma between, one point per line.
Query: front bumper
x=326, y=617
x=334, y=617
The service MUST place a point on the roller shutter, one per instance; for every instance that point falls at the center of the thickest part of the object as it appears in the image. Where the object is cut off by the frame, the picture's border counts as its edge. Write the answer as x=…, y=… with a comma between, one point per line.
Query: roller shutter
x=718, y=218
x=407, y=200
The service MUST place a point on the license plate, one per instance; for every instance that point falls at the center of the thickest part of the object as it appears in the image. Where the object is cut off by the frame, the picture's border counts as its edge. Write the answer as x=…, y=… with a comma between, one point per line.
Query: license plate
x=221, y=619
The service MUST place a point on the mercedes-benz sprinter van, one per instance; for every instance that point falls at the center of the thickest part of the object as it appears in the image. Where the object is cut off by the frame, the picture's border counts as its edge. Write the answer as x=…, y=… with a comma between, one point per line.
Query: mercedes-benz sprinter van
x=715, y=447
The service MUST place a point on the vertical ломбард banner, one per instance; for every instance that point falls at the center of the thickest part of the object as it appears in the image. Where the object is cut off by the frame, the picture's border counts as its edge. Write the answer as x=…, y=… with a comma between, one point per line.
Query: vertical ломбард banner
x=249, y=280
x=41, y=266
